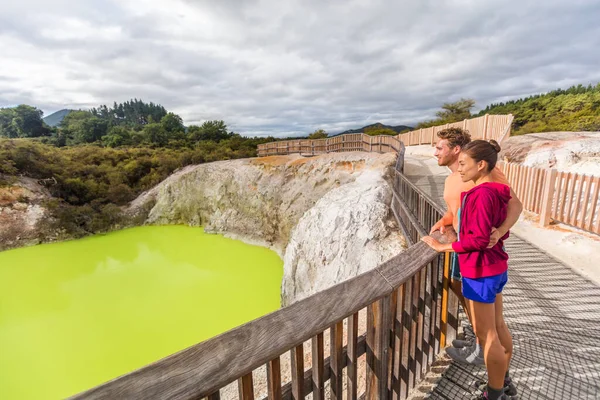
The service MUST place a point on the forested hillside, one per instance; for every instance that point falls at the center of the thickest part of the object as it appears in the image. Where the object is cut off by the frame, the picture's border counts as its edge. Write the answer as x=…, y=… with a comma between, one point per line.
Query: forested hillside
x=574, y=109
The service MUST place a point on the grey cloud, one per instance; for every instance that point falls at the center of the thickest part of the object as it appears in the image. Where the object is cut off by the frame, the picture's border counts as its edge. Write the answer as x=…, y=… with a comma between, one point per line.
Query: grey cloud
x=288, y=68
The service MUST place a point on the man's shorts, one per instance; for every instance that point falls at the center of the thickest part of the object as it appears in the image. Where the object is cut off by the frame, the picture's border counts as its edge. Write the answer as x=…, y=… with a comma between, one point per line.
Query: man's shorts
x=484, y=290
x=454, y=267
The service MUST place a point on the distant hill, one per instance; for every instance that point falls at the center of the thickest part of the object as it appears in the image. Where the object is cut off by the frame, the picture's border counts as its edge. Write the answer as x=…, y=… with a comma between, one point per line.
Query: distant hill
x=55, y=118
x=398, y=128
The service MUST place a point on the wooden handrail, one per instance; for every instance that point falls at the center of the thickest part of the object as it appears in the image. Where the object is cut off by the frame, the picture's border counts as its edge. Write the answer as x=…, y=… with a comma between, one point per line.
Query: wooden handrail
x=485, y=127
x=206, y=367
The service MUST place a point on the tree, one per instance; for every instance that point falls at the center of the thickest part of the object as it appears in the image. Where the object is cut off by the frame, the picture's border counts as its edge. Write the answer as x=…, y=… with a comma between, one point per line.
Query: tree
x=451, y=112
x=83, y=127
x=457, y=111
x=155, y=134
x=22, y=121
x=209, y=130
x=173, y=125
x=117, y=136
x=318, y=134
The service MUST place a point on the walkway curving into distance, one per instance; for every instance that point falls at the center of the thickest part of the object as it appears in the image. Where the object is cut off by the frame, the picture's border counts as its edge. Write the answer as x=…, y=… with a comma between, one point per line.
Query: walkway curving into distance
x=552, y=312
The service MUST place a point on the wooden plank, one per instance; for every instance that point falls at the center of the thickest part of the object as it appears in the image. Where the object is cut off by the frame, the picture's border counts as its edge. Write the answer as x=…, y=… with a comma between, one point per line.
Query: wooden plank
x=412, y=363
x=245, y=387
x=573, y=181
x=384, y=349
x=352, y=368
x=406, y=336
x=371, y=386
x=317, y=350
x=420, y=367
x=531, y=186
x=214, y=396
x=379, y=320
x=335, y=346
x=547, y=197
x=445, y=299
x=398, y=334
x=563, y=191
x=521, y=185
x=297, y=358
x=582, y=180
x=426, y=313
x=585, y=201
x=274, y=379
x=594, y=201
x=539, y=188
x=433, y=340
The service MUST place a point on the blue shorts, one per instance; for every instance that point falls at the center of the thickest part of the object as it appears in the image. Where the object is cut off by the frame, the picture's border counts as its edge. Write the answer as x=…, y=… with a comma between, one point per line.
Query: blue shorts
x=454, y=267
x=484, y=290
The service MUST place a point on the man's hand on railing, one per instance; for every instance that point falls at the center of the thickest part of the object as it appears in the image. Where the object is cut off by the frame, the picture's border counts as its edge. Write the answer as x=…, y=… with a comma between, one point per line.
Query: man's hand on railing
x=439, y=226
x=441, y=242
x=436, y=245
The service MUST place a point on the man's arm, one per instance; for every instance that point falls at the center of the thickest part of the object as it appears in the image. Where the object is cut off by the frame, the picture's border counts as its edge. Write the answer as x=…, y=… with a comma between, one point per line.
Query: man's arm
x=515, y=207
x=446, y=220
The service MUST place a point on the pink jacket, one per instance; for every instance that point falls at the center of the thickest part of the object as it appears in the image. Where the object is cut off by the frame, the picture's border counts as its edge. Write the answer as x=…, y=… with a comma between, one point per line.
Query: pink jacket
x=483, y=207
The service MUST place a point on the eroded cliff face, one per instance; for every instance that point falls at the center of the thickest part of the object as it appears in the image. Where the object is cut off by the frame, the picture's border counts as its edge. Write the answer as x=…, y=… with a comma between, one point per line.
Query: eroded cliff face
x=21, y=210
x=327, y=216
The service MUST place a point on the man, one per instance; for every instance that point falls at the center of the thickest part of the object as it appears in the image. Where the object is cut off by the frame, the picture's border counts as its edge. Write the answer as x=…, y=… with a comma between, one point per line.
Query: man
x=448, y=147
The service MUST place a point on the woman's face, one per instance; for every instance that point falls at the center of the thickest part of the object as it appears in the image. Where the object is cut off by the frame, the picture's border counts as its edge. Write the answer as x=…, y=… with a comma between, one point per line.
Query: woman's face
x=469, y=169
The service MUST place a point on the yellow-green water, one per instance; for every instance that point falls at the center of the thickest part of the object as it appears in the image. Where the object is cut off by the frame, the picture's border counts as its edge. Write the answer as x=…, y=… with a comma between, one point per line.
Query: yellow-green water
x=78, y=313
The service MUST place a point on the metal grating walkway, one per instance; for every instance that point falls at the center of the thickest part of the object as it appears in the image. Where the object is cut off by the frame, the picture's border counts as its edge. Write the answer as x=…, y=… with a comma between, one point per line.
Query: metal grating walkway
x=554, y=316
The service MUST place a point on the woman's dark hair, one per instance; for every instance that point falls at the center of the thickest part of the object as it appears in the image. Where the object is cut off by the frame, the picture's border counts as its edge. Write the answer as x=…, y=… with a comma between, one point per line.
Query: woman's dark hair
x=482, y=150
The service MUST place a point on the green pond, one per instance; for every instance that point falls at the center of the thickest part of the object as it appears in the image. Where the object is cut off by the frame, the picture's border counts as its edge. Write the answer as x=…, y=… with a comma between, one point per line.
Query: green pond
x=78, y=313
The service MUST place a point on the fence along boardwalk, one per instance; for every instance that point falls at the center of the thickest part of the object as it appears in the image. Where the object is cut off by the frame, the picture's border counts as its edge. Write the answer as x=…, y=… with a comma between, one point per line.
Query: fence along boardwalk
x=554, y=316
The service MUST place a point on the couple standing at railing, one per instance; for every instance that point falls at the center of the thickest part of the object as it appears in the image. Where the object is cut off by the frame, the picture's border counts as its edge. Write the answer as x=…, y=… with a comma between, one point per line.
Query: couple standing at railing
x=481, y=209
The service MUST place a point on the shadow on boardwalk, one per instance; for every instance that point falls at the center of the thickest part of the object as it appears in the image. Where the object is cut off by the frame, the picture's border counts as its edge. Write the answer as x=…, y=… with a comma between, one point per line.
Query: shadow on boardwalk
x=554, y=316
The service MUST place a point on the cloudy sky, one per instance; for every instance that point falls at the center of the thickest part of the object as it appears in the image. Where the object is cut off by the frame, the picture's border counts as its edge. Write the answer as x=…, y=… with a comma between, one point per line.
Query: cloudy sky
x=285, y=67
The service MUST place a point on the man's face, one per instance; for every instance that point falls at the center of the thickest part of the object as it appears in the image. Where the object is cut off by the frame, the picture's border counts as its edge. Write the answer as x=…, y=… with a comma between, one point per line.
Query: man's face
x=445, y=154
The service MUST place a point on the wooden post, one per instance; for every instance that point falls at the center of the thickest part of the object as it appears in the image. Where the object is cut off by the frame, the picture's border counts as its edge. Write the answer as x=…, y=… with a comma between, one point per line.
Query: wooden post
x=274, y=379
x=335, y=364
x=547, y=197
x=379, y=321
x=485, y=125
x=465, y=124
x=297, y=356
x=352, y=386
x=445, y=296
x=317, y=367
x=245, y=387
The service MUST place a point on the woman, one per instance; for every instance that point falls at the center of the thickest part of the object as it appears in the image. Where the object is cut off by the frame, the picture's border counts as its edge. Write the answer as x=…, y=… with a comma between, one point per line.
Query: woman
x=483, y=270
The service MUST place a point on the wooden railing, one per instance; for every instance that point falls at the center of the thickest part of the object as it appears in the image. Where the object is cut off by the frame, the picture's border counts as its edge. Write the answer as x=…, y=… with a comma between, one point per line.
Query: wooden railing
x=486, y=127
x=385, y=329
x=566, y=197
x=341, y=143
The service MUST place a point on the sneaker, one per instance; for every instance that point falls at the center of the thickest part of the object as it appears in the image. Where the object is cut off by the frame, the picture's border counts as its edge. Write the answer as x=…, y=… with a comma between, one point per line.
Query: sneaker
x=509, y=387
x=467, y=355
x=484, y=396
x=459, y=343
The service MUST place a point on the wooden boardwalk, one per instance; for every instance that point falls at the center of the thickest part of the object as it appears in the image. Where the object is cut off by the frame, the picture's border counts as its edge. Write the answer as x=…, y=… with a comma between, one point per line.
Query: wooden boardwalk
x=553, y=314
